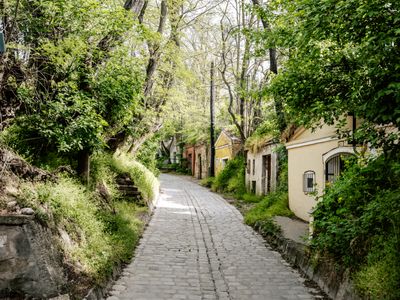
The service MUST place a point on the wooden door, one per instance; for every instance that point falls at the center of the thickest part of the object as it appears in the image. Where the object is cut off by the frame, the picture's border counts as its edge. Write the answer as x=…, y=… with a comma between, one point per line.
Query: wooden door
x=266, y=174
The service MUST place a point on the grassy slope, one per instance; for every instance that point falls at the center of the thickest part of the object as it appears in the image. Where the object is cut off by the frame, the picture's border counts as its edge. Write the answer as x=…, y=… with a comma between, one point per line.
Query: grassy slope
x=95, y=233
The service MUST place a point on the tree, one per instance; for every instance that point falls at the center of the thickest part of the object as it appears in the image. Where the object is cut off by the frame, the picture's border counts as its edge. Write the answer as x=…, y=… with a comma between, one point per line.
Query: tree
x=241, y=70
x=344, y=60
x=71, y=89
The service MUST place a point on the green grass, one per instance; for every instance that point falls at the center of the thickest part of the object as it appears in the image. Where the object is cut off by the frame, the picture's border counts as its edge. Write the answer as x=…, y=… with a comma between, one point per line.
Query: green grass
x=143, y=178
x=379, y=278
x=274, y=204
x=100, y=238
x=207, y=182
x=101, y=232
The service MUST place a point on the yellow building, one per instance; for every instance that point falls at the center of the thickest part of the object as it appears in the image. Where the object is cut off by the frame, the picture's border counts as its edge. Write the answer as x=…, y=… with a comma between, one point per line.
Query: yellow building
x=227, y=147
x=314, y=159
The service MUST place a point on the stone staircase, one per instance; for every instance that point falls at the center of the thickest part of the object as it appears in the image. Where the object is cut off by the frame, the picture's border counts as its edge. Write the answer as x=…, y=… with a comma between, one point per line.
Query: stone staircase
x=128, y=189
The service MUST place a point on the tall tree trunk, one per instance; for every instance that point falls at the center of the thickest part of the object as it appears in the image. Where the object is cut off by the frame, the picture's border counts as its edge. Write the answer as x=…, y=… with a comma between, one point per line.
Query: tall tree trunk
x=140, y=141
x=273, y=68
x=155, y=52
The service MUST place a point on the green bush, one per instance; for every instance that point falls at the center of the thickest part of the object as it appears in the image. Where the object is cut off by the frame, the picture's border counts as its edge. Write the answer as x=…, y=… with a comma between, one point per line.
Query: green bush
x=147, y=155
x=231, y=179
x=273, y=204
x=207, y=182
x=251, y=198
x=357, y=221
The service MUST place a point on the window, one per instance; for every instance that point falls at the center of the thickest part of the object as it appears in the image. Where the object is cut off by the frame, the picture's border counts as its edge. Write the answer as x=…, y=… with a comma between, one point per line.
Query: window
x=334, y=166
x=224, y=162
x=254, y=166
x=248, y=166
x=309, y=182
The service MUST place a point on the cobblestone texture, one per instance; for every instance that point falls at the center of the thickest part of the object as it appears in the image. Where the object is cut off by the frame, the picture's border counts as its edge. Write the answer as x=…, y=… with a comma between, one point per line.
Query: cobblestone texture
x=197, y=247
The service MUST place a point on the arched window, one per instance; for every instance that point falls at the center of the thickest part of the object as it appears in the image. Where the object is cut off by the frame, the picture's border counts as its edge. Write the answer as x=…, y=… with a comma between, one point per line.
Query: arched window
x=334, y=166
x=309, y=182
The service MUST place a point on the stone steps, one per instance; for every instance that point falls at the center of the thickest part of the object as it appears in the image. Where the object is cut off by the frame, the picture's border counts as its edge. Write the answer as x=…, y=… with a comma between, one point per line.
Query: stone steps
x=128, y=189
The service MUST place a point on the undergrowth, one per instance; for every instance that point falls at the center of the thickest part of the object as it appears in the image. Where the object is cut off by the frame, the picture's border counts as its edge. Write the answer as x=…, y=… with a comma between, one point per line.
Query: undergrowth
x=95, y=232
x=231, y=180
x=123, y=163
x=358, y=223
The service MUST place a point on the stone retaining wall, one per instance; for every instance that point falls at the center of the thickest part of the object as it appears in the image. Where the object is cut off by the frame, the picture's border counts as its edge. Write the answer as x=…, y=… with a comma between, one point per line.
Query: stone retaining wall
x=30, y=263
x=334, y=281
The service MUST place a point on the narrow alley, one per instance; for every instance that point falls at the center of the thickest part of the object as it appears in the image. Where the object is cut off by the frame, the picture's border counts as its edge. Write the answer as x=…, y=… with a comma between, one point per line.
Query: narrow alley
x=197, y=247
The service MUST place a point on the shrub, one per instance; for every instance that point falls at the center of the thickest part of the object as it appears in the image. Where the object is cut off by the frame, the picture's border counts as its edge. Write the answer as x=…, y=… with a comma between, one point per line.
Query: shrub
x=207, y=182
x=358, y=222
x=147, y=155
x=273, y=204
x=232, y=178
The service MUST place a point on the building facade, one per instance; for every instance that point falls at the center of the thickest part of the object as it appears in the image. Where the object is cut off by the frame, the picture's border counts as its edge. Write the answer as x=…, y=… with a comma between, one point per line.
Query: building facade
x=315, y=159
x=227, y=147
x=202, y=160
x=262, y=169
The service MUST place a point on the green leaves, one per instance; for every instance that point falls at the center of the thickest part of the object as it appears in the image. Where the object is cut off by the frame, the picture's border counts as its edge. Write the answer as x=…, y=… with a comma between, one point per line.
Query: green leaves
x=344, y=58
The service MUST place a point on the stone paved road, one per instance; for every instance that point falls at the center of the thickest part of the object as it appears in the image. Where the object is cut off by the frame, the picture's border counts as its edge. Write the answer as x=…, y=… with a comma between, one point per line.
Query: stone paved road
x=197, y=247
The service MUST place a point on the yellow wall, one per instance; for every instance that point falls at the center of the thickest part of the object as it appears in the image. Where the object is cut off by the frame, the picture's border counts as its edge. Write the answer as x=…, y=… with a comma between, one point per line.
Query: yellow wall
x=302, y=159
x=306, y=152
x=224, y=150
x=220, y=154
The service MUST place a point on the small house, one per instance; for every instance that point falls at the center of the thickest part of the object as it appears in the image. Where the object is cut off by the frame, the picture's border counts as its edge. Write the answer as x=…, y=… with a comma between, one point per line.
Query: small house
x=262, y=168
x=189, y=158
x=315, y=159
x=227, y=147
x=202, y=161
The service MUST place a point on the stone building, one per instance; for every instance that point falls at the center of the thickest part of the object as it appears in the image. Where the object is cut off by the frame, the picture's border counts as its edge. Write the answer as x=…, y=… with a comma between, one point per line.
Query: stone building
x=262, y=168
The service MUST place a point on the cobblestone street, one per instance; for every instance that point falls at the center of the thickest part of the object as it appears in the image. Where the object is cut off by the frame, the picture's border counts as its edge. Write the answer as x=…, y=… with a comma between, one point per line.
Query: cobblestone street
x=197, y=247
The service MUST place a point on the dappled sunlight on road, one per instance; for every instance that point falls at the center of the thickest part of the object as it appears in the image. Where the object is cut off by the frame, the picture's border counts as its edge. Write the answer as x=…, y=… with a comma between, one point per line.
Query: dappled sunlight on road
x=166, y=201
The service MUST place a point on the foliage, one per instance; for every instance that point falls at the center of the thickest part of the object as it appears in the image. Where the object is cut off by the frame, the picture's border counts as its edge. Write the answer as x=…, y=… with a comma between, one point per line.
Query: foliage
x=266, y=131
x=207, y=182
x=358, y=221
x=99, y=237
x=344, y=59
x=106, y=167
x=78, y=84
x=143, y=178
x=232, y=178
x=147, y=155
x=273, y=204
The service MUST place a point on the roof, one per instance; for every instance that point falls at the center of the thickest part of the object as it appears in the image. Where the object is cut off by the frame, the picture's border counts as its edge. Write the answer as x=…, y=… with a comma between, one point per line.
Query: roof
x=233, y=138
x=231, y=135
x=256, y=145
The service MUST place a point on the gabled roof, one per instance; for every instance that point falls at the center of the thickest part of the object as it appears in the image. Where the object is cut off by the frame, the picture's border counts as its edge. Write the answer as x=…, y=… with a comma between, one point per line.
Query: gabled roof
x=232, y=137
